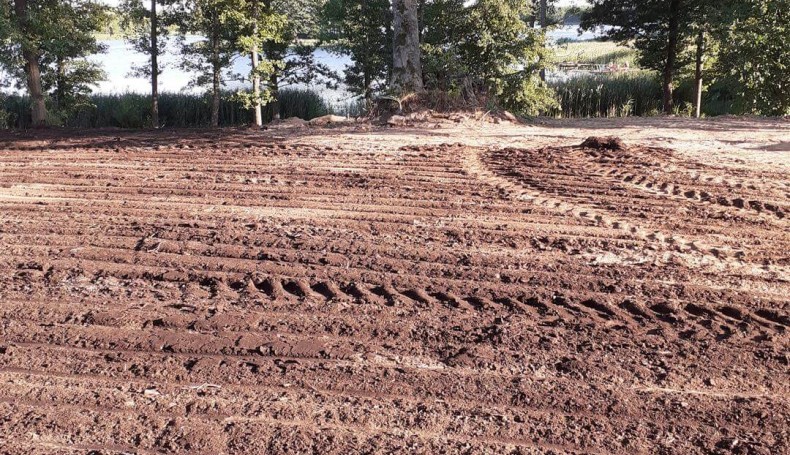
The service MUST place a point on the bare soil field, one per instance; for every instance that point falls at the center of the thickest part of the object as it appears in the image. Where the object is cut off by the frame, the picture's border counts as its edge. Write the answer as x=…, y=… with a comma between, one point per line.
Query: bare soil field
x=446, y=287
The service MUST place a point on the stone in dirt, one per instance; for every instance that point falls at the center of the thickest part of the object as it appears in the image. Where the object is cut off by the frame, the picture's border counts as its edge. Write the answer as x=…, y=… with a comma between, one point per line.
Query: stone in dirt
x=604, y=143
x=293, y=122
x=396, y=120
x=509, y=116
x=329, y=120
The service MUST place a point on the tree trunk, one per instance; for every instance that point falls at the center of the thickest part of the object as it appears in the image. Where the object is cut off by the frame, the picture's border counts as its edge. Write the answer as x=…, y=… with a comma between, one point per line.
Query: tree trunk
x=215, y=88
x=256, y=78
x=698, y=71
x=32, y=69
x=406, y=67
x=274, y=80
x=368, y=89
x=215, y=82
x=60, y=82
x=543, y=7
x=154, y=66
x=274, y=87
x=671, y=57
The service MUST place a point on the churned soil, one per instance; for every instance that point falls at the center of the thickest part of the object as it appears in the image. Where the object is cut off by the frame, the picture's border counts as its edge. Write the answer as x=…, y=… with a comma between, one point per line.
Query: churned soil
x=446, y=287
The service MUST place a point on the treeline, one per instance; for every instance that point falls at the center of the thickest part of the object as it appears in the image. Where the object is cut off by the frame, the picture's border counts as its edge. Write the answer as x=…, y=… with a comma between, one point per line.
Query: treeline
x=480, y=53
x=737, y=49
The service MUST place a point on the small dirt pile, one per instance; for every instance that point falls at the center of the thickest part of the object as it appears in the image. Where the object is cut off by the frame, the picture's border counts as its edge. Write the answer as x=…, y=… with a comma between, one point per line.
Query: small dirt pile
x=613, y=143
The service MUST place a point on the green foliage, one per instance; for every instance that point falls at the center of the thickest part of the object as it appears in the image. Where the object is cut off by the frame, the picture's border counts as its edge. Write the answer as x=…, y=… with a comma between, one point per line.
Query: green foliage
x=135, y=22
x=177, y=110
x=266, y=27
x=642, y=24
x=754, y=56
x=219, y=22
x=363, y=30
x=304, y=16
x=486, y=47
x=6, y=115
x=63, y=33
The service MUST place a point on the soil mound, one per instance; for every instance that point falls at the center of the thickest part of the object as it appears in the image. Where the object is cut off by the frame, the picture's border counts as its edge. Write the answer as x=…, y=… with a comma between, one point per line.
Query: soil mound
x=605, y=143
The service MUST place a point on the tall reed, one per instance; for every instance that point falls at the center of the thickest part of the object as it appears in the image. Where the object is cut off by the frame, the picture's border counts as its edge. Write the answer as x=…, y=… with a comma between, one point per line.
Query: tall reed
x=180, y=110
x=607, y=95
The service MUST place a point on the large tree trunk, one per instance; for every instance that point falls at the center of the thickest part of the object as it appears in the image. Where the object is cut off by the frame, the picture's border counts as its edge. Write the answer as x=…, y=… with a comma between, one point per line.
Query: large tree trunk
x=671, y=57
x=32, y=69
x=154, y=66
x=256, y=78
x=698, y=71
x=406, y=67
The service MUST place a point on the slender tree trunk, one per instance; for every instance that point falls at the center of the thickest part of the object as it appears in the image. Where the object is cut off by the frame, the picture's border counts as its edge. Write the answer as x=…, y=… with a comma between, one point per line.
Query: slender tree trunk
x=32, y=69
x=543, y=7
x=256, y=78
x=274, y=87
x=366, y=68
x=215, y=82
x=274, y=80
x=154, y=66
x=406, y=67
x=671, y=57
x=368, y=90
x=60, y=83
x=698, y=71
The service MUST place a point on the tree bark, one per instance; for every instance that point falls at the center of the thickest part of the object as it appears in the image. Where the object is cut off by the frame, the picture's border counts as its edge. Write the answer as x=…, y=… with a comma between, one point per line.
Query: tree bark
x=698, y=71
x=274, y=86
x=30, y=54
x=274, y=80
x=543, y=7
x=60, y=83
x=256, y=78
x=215, y=82
x=154, y=66
x=406, y=67
x=671, y=57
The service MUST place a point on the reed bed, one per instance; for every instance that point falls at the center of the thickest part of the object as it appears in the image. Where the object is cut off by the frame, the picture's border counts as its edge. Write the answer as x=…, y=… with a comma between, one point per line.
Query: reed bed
x=180, y=110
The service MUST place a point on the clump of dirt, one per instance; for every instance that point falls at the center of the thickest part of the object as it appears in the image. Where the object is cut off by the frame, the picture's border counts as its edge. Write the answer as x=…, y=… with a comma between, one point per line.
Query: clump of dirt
x=612, y=143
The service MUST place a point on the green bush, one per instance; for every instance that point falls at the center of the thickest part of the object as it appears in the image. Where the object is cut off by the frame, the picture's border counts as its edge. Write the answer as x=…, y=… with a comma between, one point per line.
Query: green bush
x=15, y=110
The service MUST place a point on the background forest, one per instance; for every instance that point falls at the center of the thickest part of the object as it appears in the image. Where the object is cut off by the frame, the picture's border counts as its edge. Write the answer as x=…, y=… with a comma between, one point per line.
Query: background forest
x=684, y=57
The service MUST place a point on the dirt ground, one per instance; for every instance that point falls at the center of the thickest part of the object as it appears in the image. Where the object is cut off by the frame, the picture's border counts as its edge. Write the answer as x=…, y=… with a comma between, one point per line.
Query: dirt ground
x=445, y=287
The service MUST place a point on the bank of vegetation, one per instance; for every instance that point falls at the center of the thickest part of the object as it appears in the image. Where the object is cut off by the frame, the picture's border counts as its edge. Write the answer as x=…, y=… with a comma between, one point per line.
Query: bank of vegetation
x=695, y=57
